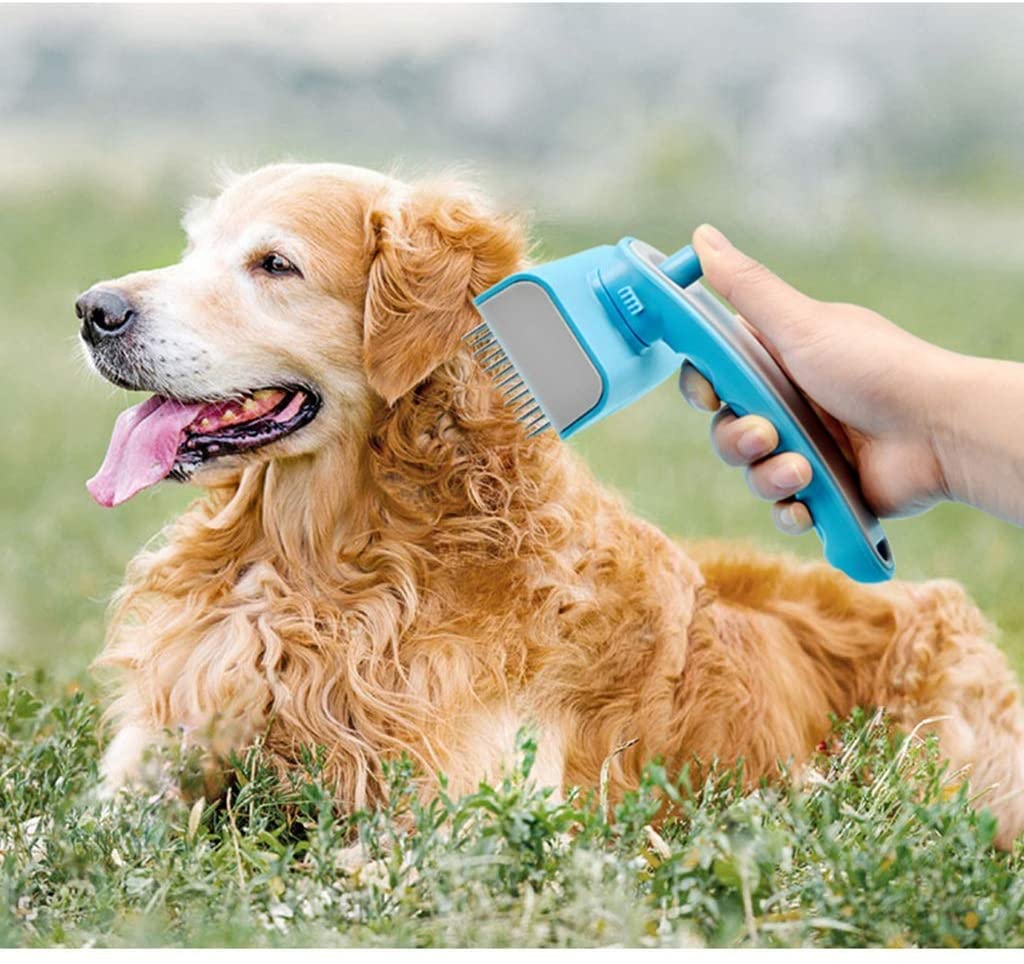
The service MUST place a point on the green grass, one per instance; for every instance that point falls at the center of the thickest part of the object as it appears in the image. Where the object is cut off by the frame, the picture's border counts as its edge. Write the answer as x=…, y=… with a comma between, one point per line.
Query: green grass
x=875, y=853
x=880, y=847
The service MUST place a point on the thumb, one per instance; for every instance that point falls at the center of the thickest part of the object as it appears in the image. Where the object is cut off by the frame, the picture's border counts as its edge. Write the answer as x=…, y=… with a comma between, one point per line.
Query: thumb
x=777, y=310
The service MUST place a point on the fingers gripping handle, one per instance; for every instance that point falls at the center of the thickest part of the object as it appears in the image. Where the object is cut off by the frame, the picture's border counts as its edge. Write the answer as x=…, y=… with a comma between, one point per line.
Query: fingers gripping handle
x=750, y=382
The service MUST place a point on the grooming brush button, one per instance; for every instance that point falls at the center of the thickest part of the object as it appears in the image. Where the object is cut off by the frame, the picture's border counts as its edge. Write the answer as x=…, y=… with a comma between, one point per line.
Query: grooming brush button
x=630, y=300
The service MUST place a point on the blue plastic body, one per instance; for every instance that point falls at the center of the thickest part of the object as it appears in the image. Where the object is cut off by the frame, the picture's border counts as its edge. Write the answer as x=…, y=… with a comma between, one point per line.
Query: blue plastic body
x=637, y=327
x=627, y=370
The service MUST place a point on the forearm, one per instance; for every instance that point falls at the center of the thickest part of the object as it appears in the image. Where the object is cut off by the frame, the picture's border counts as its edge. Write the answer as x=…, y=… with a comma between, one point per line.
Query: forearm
x=978, y=434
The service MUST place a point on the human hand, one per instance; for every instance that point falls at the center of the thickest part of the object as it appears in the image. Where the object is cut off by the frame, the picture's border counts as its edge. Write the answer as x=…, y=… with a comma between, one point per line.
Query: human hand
x=877, y=388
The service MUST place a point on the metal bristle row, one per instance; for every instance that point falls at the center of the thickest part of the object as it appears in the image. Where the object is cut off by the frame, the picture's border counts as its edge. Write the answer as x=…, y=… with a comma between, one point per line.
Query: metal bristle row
x=505, y=381
x=492, y=358
x=537, y=424
x=531, y=415
x=514, y=390
x=481, y=332
x=488, y=350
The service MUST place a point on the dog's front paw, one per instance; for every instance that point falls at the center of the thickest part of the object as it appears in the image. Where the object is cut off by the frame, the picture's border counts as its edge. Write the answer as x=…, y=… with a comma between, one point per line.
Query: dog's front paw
x=128, y=761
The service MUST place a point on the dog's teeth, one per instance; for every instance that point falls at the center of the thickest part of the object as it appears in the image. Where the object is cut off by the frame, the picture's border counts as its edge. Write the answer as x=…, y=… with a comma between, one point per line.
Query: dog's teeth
x=205, y=423
x=251, y=405
x=262, y=394
x=229, y=416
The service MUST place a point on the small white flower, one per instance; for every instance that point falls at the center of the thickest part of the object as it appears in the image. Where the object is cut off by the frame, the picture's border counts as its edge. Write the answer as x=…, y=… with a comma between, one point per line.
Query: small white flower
x=277, y=909
x=26, y=911
x=280, y=914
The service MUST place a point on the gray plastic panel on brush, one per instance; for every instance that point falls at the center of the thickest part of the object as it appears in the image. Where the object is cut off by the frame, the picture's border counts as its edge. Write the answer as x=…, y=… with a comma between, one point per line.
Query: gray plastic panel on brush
x=537, y=339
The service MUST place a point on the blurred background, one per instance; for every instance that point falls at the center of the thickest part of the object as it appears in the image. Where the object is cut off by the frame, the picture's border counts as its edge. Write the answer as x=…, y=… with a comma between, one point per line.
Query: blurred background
x=869, y=153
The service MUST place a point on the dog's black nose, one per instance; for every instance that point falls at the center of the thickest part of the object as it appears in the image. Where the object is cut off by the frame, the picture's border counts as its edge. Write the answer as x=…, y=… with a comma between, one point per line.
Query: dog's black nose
x=105, y=312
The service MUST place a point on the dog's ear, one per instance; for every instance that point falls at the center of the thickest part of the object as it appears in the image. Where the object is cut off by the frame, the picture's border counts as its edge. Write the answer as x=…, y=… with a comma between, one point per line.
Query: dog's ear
x=434, y=252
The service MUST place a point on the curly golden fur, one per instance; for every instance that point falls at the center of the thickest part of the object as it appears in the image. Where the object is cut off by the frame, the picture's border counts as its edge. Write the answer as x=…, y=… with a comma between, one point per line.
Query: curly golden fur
x=411, y=573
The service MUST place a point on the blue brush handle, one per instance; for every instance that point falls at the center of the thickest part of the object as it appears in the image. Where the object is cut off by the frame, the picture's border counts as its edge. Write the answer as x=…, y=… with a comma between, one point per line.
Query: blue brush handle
x=683, y=314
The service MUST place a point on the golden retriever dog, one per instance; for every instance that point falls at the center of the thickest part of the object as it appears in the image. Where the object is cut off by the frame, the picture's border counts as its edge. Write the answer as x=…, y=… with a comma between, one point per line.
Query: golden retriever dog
x=384, y=562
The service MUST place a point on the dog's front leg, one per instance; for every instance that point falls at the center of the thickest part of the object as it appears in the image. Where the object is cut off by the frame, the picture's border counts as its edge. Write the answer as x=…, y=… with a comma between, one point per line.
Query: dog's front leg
x=140, y=756
x=126, y=760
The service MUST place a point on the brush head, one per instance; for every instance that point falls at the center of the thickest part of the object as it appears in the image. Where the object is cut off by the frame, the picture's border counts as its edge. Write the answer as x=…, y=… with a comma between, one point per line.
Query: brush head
x=535, y=358
x=554, y=341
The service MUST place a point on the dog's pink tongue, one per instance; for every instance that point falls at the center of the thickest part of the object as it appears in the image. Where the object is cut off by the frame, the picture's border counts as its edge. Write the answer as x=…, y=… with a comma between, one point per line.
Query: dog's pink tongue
x=142, y=449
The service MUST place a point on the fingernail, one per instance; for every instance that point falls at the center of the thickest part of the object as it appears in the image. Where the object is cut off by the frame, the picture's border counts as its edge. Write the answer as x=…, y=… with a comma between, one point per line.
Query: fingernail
x=787, y=517
x=697, y=390
x=706, y=398
x=751, y=444
x=789, y=476
x=713, y=238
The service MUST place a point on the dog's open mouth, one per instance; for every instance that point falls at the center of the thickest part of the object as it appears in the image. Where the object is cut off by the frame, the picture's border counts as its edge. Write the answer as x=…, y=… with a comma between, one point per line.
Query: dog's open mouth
x=165, y=437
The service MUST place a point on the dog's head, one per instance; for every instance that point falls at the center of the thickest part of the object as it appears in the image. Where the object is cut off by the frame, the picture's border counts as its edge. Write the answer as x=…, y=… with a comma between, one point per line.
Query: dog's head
x=307, y=295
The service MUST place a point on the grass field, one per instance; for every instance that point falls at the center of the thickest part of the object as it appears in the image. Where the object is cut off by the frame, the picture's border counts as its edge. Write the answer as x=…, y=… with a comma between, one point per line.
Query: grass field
x=881, y=851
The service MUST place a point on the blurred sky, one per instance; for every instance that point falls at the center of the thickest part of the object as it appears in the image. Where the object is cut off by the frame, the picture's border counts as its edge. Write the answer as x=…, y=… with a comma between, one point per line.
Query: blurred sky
x=818, y=119
x=354, y=33
x=867, y=152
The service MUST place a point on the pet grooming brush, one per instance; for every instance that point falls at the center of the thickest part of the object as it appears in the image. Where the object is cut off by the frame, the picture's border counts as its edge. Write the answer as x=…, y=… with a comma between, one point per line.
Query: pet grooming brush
x=574, y=340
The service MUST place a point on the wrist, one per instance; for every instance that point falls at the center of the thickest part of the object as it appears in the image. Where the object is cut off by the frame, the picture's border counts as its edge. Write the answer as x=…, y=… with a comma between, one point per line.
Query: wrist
x=975, y=433
x=948, y=378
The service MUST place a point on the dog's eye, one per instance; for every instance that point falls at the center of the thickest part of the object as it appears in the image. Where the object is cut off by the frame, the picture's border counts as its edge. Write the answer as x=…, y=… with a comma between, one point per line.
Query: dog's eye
x=278, y=264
